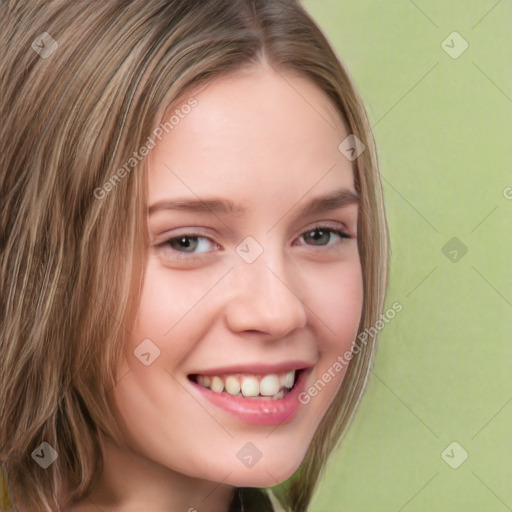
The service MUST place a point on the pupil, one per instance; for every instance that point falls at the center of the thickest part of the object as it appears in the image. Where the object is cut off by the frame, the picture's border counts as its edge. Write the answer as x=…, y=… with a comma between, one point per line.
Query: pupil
x=317, y=234
x=186, y=242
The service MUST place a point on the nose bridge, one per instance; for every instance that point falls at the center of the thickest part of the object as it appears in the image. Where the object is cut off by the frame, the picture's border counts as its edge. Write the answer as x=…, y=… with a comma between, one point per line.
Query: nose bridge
x=265, y=298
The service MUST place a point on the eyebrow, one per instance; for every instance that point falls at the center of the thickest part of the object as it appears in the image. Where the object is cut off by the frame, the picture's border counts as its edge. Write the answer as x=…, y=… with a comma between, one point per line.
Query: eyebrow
x=332, y=201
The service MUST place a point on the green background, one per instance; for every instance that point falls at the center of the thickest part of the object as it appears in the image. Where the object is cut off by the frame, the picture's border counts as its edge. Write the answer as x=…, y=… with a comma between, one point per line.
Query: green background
x=443, y=131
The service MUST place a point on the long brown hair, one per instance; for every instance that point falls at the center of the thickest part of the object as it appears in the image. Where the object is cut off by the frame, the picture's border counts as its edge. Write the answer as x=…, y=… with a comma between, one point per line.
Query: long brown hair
x=83, y=86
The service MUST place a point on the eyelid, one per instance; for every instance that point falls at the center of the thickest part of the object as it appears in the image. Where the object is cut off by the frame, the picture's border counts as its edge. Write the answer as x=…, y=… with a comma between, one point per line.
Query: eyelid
x=165, y=237
x=334, y=225
x=201, y=232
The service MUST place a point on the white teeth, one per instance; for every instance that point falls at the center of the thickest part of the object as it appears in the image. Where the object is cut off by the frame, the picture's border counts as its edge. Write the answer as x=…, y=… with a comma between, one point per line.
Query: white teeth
x=269, y=385
x=289, y=379
x=217, y=384
x=232, y=385
x=250, y=386
x=279, y=395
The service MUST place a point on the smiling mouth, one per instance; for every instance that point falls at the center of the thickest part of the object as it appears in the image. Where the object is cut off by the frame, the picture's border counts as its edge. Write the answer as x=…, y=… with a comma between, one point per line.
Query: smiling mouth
x=273, y=386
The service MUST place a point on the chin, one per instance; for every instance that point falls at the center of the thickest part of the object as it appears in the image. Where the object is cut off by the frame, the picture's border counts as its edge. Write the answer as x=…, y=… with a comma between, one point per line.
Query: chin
x=263, y=476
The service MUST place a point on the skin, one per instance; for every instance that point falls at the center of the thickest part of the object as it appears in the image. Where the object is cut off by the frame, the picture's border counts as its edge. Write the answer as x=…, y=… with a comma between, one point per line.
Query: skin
x=269, y=141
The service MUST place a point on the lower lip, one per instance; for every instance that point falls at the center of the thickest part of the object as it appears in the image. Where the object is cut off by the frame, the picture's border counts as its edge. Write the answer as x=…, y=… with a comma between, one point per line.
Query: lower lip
x=259, y=411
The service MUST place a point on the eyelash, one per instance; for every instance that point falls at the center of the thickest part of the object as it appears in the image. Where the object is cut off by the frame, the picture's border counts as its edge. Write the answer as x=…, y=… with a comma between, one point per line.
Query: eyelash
x=192, y=256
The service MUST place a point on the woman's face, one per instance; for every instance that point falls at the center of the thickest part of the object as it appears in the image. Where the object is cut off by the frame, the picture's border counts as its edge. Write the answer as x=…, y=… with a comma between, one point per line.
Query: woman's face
x=252, y=284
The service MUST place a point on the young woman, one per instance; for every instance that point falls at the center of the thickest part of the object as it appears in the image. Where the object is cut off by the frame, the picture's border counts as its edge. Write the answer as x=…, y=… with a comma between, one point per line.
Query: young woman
x=194, y=247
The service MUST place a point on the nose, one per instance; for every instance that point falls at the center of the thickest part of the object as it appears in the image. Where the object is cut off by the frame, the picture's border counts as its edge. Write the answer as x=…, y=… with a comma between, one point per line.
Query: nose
x=263, y=298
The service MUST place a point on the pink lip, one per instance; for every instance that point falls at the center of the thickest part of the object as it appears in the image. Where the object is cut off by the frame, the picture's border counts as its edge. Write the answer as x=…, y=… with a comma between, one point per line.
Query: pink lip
x=256, y=411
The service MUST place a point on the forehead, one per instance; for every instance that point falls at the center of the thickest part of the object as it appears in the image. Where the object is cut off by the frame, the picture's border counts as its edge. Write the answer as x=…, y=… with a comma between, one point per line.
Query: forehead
x=254, y=134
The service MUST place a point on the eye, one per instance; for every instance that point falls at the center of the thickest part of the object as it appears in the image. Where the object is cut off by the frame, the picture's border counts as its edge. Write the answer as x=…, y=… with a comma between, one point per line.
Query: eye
x=189, y=245
x=321, y=235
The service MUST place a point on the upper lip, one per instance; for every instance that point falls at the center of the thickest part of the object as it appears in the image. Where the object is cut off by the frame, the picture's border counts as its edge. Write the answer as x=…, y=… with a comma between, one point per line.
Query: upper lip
x=256, y=368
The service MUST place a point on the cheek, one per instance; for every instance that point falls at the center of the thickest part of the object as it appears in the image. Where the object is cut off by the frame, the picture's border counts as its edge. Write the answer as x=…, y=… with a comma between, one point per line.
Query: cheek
x=337, y=302
x=336, y=298
x=166, y=300
x=166, y=296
